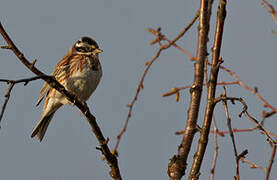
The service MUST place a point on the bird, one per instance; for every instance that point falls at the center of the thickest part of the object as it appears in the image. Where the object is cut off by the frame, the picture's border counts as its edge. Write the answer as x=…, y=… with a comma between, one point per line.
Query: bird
x=79, y=71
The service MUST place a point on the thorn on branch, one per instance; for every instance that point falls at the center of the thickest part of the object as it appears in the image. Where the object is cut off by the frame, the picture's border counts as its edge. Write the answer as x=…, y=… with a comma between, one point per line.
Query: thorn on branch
x=158, y=34
x=159, y=29
x=33, y=63
x=98, y=148
x=198, y=128
x=194, y=88
x=20, y=56
x=180, y=132
x=101, y=149
x=173, y=91
x=106, y=142
x=219, y=62
x=177, y=97
x=243, y=154
x=6, y=47
x=141, y=85
x=114, y=152
x=154, y=32
x=147, y=63
x=154, y=41
x=267, y=114
x=255, y=89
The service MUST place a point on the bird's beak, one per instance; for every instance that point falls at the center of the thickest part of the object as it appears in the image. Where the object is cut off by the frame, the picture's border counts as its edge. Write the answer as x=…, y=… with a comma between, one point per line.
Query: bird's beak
x=97, y=51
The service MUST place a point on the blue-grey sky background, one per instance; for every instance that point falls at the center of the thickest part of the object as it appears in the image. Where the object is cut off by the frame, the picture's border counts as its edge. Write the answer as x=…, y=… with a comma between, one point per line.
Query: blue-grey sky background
x=45, y=30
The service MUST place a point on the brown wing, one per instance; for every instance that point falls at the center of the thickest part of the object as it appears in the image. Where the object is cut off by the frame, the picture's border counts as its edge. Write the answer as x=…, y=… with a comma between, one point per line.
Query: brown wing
x=60, y=67
x=44, y=91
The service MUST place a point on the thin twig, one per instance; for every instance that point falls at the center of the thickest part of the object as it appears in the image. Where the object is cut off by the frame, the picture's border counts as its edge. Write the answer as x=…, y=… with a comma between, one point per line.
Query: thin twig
x=270, y=162
x=245, y=112
x=160, y=36
x=267, y=114
x=25, y=80
x=270, y=8
x=140, y=84
x=254, y=91
x=222, y=133
x=234, y=130
x=229, y=124
x=215, y=150
x=251, y=164
x=7, y=97
x=12, y=83
x=178, y=89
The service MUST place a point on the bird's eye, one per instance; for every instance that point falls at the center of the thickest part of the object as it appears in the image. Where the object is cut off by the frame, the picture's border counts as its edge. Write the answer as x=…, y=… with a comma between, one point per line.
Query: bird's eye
x=84, y=49
x=81, y=49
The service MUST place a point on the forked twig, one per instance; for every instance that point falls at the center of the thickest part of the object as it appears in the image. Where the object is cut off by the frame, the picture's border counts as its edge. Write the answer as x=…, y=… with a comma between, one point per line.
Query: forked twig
x=245, y=112
x=12, y=83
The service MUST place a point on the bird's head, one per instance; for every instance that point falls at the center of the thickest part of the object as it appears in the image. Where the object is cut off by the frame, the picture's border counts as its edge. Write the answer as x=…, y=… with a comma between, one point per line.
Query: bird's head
x=87, y=46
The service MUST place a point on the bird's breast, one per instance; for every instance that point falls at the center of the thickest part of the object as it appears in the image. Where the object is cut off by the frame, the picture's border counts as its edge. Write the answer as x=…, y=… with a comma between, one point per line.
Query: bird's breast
x=83, y=82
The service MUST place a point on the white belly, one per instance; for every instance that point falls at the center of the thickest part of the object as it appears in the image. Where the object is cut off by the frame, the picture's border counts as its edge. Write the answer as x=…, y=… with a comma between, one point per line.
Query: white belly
x=84, y=83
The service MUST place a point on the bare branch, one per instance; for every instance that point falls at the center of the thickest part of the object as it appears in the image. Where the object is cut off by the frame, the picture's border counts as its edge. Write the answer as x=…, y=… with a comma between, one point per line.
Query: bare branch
x=177, y=164
x=211, y=90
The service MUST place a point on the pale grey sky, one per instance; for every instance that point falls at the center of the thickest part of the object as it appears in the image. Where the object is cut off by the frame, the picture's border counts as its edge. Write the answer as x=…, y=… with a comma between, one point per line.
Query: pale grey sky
x=45, y=30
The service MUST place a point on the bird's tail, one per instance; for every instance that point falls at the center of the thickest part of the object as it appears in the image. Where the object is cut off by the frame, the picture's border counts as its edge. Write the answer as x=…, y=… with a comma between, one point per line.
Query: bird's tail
x=41, y=126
